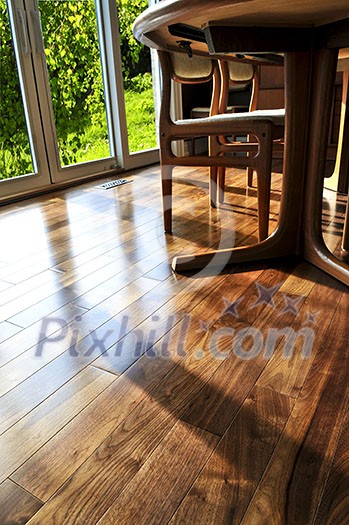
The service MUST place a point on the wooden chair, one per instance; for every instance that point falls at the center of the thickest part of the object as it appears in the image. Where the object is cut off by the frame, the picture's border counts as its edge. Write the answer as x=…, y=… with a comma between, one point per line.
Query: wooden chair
x=262, y=125
x=238, y=92
x=232, y=73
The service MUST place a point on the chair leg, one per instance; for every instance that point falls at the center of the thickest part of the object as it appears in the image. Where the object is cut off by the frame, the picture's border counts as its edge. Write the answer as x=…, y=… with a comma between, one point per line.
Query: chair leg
x=345, y=238
x=166, y=183
x=221, y=184
x=249, y=169
x=213, y=186
x=249, y=177
x=263, y=197
x=263, y=170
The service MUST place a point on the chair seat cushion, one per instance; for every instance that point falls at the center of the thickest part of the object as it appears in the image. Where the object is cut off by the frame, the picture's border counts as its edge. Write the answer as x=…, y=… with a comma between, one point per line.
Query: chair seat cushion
x=277, y=116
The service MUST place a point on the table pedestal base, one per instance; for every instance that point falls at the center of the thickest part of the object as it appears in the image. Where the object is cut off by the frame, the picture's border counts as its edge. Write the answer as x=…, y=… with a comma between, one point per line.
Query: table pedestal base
x=309, y=83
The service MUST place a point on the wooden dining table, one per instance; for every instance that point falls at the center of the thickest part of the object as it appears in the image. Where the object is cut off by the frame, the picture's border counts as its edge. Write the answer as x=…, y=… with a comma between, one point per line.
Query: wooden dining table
x=309, y=33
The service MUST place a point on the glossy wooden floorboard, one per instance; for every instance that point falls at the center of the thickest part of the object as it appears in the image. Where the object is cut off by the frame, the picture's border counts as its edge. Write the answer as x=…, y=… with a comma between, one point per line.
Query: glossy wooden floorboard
x=313, y=320
x=173, y=466
x=130, y=394
x=97, y=421
x=148, y=416
x=225, y=486
x=49, y=417
x=306, y=449
x=334, y=504
x=220, y=399
x=16, y=505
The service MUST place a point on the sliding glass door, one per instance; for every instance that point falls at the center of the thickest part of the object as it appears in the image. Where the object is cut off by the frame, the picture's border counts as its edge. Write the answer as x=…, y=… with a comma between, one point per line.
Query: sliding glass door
x=23, y=161
x=138, y=79
x=63, y=111
x=69, y=53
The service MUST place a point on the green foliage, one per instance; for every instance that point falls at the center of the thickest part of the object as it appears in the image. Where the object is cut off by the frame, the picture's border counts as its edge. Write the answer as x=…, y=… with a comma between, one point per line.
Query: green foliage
x=73, y=61
x=141, y=83
x=11, y=160
x=134, y=56
x=76, y=83
x=13, y=132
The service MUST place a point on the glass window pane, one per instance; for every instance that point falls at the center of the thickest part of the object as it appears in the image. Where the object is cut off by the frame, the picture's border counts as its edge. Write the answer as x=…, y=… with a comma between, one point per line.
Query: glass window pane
x=137, y=76
x=15, y=151
x=75, y=74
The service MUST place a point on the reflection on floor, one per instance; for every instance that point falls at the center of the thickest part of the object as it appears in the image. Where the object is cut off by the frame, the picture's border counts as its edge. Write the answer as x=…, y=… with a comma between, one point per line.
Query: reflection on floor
x=132, y=395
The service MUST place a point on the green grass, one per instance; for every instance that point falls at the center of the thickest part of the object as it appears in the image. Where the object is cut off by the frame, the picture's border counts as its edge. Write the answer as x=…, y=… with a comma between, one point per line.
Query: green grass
x=94, y=145
x=140, y=117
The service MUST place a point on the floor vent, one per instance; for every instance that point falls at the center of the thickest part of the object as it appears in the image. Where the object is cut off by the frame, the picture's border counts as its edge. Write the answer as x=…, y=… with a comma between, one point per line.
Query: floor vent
x=113, y=184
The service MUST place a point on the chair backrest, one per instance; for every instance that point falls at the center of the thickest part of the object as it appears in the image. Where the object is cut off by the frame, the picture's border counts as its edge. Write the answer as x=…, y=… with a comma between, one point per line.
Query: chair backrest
x=267, y=84
x=236, y=75
x=186, y=70
x=240, y=72
x=190, y=70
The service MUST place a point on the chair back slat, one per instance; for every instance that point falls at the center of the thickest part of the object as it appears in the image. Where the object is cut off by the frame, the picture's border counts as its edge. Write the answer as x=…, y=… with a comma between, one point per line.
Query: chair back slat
x=195, y=69
x=240, y=71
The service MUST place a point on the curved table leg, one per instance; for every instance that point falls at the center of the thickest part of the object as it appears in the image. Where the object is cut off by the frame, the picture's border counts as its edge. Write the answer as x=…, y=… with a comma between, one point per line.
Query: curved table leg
x=314, y=248
x=339, y=178
x=345, y=239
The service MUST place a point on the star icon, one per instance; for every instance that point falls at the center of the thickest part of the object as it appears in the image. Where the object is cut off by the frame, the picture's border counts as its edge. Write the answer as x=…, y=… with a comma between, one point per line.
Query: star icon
x=266, y=295
x=291, y=304
x=311, y=317
x=232, y=308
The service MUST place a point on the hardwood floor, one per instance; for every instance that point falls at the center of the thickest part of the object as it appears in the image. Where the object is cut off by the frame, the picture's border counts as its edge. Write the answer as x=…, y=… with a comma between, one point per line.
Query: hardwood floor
x=132, y=395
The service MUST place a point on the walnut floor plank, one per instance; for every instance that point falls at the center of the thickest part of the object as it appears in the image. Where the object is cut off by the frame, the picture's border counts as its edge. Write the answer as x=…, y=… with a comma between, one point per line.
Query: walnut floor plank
x=20, y=301
x=125, y=450
x=188, y=296
x=259, y=297
x=70, y=286
x=296, y=475
x=99, y=449
x=173, y=466
x=17, y=272
x=29, y=337
x=73, y=445
x=23, y=366
x=21, y=400
x=222, y=491
x=17, y=290
x=61, y=244
x=220, y=399
x=302, y=279
x=53, y=372
x=16, y=505
x=114, y=284
x=306, y=334
x=83, y=230
x=74, y=293
x=334, y=507
x=69, y=448
x=74, y=262
x=42, y=423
